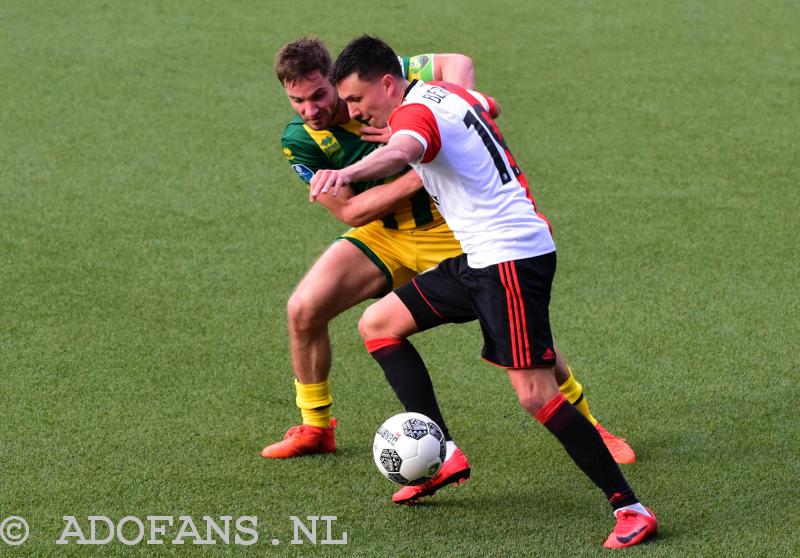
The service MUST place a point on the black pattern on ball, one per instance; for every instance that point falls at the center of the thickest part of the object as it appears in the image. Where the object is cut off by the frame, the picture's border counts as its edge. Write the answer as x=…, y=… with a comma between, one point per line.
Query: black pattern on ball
x=442, y=450
x=391, y=461
x=434, y=430
x=415, y=428
x=398, y=478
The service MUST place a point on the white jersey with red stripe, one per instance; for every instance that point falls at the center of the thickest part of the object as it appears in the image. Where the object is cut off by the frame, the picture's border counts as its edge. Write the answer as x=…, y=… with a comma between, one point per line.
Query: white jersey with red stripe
x=470, y=173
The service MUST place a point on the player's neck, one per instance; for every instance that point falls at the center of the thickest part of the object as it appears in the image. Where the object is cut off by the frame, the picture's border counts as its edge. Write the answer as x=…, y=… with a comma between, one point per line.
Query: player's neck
x=400, y=93
x=342, y=114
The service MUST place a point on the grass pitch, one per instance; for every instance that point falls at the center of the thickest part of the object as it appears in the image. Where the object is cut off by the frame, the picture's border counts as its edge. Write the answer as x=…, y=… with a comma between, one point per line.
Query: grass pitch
x=151, y=232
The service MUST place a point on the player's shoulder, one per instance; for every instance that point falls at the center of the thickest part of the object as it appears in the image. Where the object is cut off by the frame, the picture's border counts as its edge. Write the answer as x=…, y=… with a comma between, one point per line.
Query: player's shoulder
x=295, y=131
x=430, y=93
x=442, y=94
x=300, y=149
x=296, y=141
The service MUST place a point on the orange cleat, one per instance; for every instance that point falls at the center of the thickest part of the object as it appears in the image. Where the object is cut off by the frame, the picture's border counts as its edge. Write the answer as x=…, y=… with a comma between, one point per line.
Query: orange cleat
x=619, y=448
x=632, y=528
x=303, y=440
x=455, y=470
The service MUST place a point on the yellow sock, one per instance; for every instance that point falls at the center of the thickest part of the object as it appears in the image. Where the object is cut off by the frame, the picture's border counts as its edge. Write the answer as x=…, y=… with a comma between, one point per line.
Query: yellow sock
x=314, y=401
x=573, y=392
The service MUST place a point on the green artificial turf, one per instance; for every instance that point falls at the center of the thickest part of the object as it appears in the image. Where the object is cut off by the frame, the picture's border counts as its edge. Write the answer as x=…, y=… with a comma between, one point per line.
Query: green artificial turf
x=151, y=232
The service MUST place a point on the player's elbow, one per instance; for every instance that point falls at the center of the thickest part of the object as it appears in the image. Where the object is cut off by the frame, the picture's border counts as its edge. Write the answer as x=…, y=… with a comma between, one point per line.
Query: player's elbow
x=468, y=72
x=459, y=69
x=496, y=108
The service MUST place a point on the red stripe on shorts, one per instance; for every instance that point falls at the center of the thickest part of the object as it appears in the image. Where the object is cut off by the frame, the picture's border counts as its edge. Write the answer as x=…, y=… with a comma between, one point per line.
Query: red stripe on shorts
x=425, y=299
x=526, y=351
x=512, y=319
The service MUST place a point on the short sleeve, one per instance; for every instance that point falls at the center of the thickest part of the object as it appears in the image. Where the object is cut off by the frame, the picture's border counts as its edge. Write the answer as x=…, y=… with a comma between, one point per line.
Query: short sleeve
x=305, y=159
x=419, y=122
x=420, y=66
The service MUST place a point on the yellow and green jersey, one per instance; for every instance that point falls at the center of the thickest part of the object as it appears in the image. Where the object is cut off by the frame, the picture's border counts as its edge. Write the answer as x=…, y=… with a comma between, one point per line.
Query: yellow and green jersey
x=336, y=147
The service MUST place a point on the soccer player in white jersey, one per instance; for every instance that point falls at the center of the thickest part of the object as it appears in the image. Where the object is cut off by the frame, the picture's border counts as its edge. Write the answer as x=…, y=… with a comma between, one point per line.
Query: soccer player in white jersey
x=503, y=279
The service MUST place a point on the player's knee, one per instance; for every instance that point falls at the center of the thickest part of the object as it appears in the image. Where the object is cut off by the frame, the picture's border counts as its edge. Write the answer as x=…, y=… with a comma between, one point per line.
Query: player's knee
x=304, y=313
x=531, y=400
x=372, y=323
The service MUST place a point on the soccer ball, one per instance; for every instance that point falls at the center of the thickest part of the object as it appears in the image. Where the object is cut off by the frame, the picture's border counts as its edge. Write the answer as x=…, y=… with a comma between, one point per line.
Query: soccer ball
x=409, y=448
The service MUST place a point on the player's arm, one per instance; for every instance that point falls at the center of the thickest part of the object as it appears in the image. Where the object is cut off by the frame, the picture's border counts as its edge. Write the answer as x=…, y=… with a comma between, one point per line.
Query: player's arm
x=357, y=210
x=386, y=161
x=490, y=104
x=497, y=109
x=350, y=208
x=454, y=68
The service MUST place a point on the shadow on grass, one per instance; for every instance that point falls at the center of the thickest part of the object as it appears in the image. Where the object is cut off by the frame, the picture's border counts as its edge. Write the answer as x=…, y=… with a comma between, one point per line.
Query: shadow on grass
x=587, y=522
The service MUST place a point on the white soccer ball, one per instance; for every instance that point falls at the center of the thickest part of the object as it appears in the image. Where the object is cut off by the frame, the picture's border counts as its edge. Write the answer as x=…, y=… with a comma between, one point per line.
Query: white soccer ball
x=409, y=448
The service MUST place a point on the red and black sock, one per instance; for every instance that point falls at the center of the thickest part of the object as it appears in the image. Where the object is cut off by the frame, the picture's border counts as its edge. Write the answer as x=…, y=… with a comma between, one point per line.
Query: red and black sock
x=586, y=448
x=408, y=376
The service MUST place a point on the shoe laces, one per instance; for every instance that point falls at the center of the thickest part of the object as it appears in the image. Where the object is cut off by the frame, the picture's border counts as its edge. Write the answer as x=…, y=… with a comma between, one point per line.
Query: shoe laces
x=613, y=438
x=300, y=429
x=295, y=431
x=628, y=519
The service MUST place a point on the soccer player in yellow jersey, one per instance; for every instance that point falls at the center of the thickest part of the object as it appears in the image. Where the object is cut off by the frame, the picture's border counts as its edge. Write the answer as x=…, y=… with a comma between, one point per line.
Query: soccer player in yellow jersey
x=396, y=234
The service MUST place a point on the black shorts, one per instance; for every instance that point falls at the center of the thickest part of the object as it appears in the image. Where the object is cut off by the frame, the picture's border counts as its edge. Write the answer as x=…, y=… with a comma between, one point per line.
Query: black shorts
x=509, y=299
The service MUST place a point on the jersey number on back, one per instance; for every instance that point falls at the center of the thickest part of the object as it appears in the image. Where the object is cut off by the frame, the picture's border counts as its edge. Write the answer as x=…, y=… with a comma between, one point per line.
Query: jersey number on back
x=486, y=132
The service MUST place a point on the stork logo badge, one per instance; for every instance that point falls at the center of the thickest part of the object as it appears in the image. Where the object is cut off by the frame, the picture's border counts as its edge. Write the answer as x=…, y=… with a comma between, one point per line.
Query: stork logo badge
x=304, y=172
x=329, y=145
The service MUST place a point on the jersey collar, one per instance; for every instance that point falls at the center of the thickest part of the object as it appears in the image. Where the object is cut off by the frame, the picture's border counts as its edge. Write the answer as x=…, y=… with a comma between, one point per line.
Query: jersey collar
x=409, y=88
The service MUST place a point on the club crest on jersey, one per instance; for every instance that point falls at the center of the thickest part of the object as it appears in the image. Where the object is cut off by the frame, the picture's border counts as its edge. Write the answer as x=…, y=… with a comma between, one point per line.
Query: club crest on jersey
x=304, y=172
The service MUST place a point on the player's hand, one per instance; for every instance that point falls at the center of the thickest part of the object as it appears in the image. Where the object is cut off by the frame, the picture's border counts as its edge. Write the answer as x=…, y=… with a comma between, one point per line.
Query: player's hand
x=325, y=180
x=376, y=135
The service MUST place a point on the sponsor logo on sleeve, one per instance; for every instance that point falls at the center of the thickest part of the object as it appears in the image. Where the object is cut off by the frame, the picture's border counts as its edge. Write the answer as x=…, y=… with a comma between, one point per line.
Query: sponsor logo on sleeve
x=304, y=172
x=416, y=64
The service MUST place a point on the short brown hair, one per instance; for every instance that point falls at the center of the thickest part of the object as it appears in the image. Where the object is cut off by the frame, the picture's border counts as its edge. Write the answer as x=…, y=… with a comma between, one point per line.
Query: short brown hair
x=296, y=60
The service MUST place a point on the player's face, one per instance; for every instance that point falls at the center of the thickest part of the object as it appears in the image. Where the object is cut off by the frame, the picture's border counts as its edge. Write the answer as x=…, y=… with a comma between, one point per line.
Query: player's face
x=369, y=101
x=314, y=99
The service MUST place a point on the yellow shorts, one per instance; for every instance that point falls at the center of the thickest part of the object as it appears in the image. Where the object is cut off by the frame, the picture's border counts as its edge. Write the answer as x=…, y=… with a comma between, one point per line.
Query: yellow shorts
x=404, y=254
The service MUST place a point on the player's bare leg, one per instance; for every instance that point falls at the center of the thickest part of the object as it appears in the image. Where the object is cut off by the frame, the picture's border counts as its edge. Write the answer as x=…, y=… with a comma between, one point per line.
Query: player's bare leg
x=342, y=277
x=387, y=318
x=384, y=327
x=538, y=393
x=573, y=391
